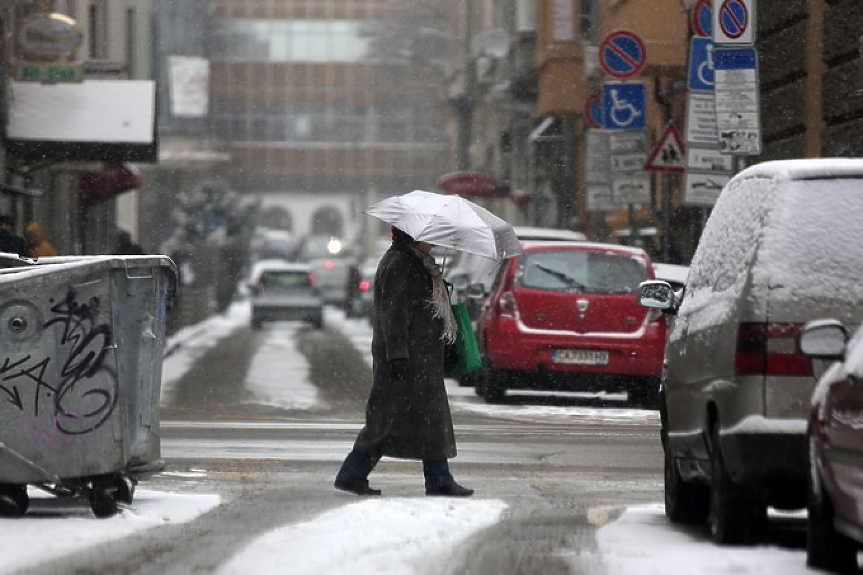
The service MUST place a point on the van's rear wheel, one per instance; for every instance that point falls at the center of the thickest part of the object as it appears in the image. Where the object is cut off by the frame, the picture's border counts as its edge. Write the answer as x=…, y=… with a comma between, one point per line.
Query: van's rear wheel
x=684, y=502
x=737, y=516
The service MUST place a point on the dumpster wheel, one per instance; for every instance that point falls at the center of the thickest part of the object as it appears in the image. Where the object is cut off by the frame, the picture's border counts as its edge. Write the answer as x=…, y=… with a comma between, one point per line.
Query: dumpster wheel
x=14, y=500
x=125, y=489
x=103, y=501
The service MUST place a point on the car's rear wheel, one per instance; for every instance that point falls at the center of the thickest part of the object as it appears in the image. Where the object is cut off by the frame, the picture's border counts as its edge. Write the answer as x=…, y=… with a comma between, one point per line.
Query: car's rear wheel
x=684, y=502
x=737, y=516
x=491, y=385
x=826, y=548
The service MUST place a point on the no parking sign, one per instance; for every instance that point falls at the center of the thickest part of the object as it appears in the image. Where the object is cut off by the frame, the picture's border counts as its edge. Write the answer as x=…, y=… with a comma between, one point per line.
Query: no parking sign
x=622, y=54
x=734, y=22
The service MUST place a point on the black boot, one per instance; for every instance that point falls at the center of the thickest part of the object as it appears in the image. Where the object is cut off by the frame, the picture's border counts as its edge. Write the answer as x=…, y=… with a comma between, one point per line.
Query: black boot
x=352, y=477
x=452, y=490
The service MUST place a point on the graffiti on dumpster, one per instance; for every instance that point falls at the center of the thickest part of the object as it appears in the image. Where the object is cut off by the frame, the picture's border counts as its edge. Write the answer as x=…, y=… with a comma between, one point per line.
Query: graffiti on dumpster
x=86, y=394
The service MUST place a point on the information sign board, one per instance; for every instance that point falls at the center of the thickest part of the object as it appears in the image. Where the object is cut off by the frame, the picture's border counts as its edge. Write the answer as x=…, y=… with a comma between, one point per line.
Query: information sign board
x=737, y=101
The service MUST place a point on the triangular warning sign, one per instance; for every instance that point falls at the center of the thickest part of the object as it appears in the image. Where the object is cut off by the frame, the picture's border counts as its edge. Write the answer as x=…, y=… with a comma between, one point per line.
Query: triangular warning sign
x=667, y=156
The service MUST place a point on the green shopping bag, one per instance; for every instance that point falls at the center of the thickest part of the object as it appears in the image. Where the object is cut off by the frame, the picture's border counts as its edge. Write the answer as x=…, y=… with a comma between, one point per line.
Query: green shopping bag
x=462, y=357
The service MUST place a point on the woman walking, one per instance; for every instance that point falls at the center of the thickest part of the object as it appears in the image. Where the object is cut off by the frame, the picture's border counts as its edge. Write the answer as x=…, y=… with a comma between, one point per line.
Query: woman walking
x=407, y=413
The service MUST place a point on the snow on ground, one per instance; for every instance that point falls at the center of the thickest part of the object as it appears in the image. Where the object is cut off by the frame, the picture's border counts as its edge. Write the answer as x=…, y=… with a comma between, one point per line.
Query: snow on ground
x=374, y=536
x=53, y=528
x=642, y=542
x=186, y=346
x=406, y=535
x=278, y=355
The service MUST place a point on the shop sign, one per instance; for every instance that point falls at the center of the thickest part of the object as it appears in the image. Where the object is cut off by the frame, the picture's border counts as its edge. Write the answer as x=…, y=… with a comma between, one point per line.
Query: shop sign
x=49, y=72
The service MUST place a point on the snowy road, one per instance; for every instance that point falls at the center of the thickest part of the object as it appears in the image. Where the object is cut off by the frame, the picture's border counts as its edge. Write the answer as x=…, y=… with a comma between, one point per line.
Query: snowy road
x=581, y=495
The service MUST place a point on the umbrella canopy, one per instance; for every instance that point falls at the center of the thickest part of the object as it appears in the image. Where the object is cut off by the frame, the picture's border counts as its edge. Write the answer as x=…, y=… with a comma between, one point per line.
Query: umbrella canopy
x=450, y=222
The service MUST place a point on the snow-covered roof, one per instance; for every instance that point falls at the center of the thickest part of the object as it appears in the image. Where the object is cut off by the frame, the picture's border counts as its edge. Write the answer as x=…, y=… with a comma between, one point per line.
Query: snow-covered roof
x=805, y=169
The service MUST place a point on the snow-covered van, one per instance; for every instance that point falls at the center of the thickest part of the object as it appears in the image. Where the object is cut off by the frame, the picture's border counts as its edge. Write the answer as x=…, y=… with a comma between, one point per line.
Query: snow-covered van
x=782, y=246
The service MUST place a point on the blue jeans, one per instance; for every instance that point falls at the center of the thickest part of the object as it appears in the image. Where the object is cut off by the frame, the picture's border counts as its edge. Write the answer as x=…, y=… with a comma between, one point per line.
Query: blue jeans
x=358, y=465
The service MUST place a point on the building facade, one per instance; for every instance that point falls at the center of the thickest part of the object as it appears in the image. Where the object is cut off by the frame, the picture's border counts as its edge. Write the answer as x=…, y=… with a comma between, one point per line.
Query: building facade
x=318, y=124
x=76, y=194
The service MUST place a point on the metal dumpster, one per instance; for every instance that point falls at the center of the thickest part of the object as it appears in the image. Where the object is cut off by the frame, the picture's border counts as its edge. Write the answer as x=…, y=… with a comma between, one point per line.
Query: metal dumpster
x=81, y=344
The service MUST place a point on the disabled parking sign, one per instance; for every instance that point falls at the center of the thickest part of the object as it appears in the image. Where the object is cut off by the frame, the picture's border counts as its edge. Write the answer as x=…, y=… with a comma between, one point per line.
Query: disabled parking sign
x=701, y=65
x=623, y=105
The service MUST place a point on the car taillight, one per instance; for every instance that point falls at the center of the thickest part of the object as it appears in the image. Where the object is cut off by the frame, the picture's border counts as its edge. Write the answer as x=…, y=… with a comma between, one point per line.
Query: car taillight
x=312, y=277
x=365, y=285
x=506, y=304
x=328, y=264
x=770, y=349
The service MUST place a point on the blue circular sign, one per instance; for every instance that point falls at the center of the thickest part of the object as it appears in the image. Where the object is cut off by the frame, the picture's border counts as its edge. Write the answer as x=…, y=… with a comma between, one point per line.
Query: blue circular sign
x=733, y=18
x=622, y=54
x=702, y=18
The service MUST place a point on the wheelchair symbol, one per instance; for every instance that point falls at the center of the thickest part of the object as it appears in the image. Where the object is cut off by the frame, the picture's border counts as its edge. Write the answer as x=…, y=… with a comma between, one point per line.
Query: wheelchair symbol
x=705, y=69
x=623, y=112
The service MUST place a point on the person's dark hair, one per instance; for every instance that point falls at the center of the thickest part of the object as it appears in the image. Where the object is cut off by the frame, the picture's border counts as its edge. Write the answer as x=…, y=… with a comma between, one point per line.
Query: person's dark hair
x=401, y=237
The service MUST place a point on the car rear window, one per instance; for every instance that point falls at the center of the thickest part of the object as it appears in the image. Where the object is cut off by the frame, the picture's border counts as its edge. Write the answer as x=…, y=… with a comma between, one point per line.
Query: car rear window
x=280, y=280
x=571, y=270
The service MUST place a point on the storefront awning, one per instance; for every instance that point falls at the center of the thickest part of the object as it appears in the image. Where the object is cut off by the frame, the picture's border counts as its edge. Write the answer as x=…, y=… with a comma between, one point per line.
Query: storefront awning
x=96, y=120
x=114, y=179
x=468, y=184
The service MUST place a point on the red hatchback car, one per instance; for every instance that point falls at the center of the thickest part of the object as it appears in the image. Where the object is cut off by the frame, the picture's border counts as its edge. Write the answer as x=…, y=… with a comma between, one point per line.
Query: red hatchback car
x=564, y=316
x=835, y=430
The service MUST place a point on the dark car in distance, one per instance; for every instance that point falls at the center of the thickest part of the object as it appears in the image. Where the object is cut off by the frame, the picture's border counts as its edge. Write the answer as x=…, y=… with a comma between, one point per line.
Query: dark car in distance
x=284, y=291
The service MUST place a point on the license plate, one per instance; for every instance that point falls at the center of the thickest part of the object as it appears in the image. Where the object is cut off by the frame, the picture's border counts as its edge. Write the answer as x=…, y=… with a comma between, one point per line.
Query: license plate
x=580, y=356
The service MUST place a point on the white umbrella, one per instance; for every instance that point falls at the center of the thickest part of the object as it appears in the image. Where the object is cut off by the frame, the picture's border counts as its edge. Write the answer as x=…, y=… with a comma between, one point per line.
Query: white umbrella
x=449, y=221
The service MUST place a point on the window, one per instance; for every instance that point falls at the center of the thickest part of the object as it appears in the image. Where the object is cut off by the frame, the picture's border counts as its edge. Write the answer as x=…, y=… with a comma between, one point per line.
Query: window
x=570, y=270
x=289, y=40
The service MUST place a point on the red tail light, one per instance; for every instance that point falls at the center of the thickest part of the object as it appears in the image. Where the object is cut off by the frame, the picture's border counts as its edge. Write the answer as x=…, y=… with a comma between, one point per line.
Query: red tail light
x=312, y=277
x=329, y=264
x=770, y=349
x=365, y=285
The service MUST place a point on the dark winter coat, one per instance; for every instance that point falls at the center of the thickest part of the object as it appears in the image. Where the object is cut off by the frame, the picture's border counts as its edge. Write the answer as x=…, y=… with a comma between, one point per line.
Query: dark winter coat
x=406, y=419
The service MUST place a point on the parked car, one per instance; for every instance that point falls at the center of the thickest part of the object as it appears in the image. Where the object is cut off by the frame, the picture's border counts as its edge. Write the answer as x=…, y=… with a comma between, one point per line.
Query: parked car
x=563, y=316
x=284, y=291
x=835, y=488
x=781, y=248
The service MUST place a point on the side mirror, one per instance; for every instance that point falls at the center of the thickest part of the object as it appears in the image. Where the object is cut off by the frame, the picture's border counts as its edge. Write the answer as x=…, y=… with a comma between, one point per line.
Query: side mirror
x=823, y=339
x=657, y=294
x=254, y=288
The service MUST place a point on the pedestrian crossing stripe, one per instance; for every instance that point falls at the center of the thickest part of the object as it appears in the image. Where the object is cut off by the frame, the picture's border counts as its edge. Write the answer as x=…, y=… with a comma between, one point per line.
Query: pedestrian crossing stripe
x=669, y=154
